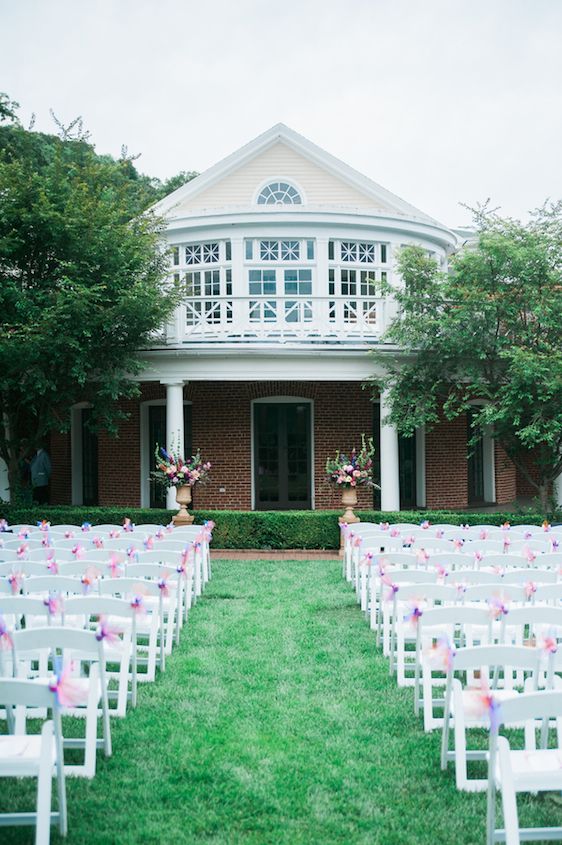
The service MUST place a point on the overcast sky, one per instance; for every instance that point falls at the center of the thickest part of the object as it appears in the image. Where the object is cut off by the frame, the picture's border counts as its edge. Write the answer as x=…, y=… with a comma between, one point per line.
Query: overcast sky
x=441, y=101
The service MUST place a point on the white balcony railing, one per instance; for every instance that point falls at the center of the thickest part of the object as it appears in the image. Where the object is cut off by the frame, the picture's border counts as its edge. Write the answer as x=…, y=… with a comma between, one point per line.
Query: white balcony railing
x=280, y=319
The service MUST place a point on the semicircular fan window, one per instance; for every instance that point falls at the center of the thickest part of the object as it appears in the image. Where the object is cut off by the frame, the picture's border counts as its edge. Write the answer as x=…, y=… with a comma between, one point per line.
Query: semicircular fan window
x=279, y=193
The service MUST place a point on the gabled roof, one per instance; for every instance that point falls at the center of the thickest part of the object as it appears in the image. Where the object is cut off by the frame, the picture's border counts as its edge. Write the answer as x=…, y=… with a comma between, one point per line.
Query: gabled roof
x=282, y=133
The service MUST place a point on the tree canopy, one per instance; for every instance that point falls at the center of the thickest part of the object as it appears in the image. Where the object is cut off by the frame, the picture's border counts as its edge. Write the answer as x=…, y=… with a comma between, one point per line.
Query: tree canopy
x=486, y=335
x=83, y=279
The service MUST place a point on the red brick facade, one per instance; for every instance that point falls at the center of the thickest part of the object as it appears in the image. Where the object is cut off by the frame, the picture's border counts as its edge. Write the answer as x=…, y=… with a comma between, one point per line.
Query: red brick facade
x=221, y=414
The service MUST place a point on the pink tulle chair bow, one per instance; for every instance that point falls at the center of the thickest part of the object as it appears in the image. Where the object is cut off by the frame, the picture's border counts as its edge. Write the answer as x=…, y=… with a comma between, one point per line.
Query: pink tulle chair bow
x=498, y=608
x=89, y=576
x=3, y=525
x=15, y=580
x=422, y=556
x=43, y=525
x=6, y=641
x=394, y=532
x=441, y=654
x=442, y=573
x=481, y=703
x=483, y=535
x=68, y=535
x=128, y=525
x=98, y=542
x=530, y=589
x=22, y=551
x=529, y=554
x=54, y=604
x=52, y=566
x=114, y=533
x=384, y=526
x=392, y=587
x=86, y=526
x=163, y=585
x=68, y=690
x=148, y=543
x=107, y=632
x=24, y=534
x=114, y=566
x=425, y=524
x=78, y=551
x=137, y=603
x=414, y=614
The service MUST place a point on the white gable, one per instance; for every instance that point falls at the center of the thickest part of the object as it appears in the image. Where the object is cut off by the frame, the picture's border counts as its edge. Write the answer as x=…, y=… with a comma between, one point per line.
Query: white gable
x=283, y=155
x=239, y=188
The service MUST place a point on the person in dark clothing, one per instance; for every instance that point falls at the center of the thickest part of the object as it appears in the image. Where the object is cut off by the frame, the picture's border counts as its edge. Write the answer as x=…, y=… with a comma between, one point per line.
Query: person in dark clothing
x=40, y=476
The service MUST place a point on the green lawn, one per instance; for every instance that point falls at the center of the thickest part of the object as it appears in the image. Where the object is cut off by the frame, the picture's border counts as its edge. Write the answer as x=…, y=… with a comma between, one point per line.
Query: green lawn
x=275, y=722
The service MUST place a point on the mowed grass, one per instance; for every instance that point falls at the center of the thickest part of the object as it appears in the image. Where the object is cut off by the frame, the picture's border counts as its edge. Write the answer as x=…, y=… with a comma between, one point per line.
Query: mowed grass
x=275, y=722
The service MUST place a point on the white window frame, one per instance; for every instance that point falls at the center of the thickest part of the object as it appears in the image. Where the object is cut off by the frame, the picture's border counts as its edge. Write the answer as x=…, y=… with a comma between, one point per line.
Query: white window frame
x=144, y=463
x=290, y=181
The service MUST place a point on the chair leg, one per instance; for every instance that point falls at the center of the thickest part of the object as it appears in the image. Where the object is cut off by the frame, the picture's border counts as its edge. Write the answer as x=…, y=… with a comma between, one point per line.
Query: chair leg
x=44, y=787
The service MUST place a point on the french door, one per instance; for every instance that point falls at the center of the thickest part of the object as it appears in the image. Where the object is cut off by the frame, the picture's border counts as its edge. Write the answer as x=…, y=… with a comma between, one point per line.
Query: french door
x=157, y=434
x=282, y=456
x=475, y=463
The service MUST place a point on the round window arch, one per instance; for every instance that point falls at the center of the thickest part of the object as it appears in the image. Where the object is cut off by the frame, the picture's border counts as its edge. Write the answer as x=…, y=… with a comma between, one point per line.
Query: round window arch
x=279, y=193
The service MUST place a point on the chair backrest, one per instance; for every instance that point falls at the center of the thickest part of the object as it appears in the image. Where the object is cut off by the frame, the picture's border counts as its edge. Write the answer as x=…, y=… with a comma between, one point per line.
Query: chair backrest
x=456, y=614
x=128, y=587
x=22, y=605
x=499, y=590
x=471, y=576
x=432, y=544
x=35, y=693
x=403, y=558
x=516, y=657
x=155, y=556
x=102, y=556
x=150, y=570
x=95, y=605
x=533, y=545
x=552, y=560
x=411, y=576
x=504, y=561
x=9, y=555
x=535, y=615
x=528, y=575
x=484, y=547
x=39, y=555
x=427, y=593
x=58, y=639
x=544, y=704
x=549, y=593
x=52, y=584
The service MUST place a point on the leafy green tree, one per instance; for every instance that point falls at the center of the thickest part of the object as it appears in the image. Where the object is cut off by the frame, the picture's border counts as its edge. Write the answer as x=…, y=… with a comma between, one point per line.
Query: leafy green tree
x=490, y=331
x=82, y=283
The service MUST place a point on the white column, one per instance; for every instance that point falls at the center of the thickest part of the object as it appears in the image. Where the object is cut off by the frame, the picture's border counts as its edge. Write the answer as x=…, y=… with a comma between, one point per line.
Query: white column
x=174, y=429
x=558, y=490
x=390, y=477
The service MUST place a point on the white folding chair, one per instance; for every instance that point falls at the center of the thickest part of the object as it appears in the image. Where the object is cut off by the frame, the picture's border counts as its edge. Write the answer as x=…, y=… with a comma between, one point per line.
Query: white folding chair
x=149, y=620
x=170, y=583
x=523, y=770
x=497, y=668
x=115, y=622
x=34, y=756
x=440, y=631
x=76, y=649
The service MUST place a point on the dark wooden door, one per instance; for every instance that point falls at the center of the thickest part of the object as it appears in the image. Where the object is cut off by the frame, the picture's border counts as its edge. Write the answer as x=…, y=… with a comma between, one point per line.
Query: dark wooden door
x=475, y=463
x=282, y=462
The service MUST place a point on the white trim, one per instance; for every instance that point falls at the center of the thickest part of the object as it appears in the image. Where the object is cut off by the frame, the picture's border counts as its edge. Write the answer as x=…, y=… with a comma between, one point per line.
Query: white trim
x=143, y=436
x=290, y=181
x=272, y=400
x=302, y=145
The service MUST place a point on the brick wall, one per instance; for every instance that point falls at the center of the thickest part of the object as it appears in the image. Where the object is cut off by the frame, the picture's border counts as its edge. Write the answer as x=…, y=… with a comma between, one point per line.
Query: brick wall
x=446, y=476
x=61, y=477
x=506, y=477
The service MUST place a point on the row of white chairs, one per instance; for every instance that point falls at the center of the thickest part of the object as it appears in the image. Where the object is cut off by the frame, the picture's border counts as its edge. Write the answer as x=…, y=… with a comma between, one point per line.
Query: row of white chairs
x=477, y=654
x=76, y=648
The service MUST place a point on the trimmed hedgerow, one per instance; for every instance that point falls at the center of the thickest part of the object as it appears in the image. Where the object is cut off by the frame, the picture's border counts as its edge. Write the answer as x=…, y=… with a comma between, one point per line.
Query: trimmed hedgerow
x=258, y=529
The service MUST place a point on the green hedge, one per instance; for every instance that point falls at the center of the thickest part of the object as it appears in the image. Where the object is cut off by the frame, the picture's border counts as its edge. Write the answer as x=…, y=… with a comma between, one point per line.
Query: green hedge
x=259, y=529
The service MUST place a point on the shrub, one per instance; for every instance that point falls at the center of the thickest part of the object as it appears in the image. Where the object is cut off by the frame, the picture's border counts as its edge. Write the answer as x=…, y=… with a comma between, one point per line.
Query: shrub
x=258, y=529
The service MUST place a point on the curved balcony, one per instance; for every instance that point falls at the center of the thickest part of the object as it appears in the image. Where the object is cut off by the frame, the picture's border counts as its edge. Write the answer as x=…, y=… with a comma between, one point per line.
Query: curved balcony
x=279, y=319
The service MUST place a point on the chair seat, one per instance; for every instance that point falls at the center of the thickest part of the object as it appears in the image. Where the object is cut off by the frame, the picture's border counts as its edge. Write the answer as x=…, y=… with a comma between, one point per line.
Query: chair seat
x=535, y=770
x=20, y=755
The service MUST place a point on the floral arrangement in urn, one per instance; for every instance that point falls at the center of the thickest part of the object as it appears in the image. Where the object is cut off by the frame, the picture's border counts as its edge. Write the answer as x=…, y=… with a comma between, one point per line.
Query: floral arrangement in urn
x=173, y=471
x=353, y=470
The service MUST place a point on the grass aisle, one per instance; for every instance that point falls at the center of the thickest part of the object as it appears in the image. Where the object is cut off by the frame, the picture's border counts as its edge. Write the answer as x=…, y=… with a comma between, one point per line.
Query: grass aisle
x=275, y=722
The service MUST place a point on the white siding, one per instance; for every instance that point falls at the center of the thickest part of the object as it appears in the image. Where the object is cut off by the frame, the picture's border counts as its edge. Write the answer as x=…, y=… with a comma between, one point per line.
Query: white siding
x=279, y=161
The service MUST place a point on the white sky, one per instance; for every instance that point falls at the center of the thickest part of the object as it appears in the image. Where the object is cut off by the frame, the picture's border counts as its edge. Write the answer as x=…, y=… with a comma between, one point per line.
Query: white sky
x=440, y=101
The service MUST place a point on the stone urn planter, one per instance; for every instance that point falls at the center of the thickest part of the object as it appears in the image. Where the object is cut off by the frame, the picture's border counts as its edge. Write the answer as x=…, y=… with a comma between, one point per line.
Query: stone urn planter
x=349, y=501
x=183, y=498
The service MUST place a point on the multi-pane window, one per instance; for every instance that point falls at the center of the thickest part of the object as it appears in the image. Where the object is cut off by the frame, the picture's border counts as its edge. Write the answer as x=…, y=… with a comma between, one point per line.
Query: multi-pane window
x=279, y=250
x=207, y=253
x=279, y=193
x=357, y=252
x=298, y=282
x=262, y=282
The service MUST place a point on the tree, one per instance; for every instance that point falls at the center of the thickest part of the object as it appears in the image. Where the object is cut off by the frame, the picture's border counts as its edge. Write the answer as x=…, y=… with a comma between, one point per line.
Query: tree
x=82, y=283
x=488, y=331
